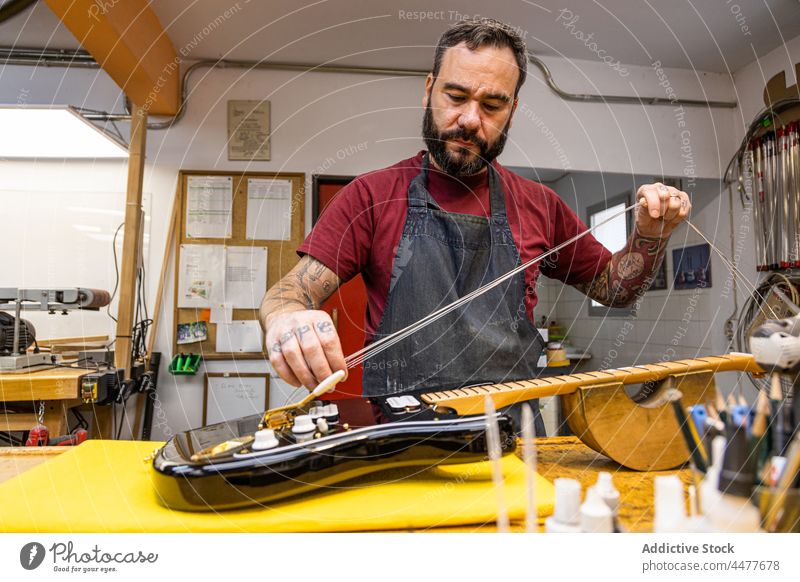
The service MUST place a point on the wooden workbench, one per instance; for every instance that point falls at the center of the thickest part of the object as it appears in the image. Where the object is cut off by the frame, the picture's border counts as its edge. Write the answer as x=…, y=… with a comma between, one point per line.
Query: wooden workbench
x=57, y=387
x=557, y=457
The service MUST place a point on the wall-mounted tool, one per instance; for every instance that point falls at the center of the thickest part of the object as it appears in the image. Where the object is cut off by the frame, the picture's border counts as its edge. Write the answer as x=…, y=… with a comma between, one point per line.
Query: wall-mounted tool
x=17, y=334
x=185, y=364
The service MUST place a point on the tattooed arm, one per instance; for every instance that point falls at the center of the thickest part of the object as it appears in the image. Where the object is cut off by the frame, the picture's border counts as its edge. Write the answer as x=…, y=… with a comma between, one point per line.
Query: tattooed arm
x=630, y=271
x=303, y=345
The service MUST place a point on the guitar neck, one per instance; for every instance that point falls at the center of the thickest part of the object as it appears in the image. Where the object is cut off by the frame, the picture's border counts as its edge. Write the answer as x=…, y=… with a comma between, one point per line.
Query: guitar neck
x=471, y=400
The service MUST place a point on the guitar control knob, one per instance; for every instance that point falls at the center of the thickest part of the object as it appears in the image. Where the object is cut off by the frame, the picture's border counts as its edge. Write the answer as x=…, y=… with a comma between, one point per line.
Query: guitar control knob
x=303, y=425
x=265, y=440
x=331, y=413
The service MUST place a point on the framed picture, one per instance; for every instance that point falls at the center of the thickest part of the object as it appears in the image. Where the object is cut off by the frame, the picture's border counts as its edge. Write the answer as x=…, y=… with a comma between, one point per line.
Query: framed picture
x=660, y=278
x=248, y=131
x=692, y=267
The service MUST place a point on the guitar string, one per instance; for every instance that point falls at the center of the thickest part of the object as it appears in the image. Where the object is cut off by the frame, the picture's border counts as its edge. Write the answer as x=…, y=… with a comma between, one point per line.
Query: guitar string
x=386, y=342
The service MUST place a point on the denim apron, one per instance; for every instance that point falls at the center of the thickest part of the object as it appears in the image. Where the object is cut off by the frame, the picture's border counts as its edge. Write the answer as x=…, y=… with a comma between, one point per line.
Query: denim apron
x=441, y=257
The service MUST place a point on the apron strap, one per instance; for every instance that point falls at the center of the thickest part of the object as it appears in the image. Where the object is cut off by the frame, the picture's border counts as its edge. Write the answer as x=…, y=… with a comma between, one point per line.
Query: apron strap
x=418, y=195
x=497, y=201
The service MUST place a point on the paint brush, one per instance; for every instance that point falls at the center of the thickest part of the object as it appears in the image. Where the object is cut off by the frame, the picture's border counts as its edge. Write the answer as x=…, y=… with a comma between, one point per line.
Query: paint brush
x=495, y=455
x=687, y=428
x=711, y=410
x=760, y=423
x=529, y=456
x=759, y=443
x=777, y=420
x=731, y=402
x=721, y=409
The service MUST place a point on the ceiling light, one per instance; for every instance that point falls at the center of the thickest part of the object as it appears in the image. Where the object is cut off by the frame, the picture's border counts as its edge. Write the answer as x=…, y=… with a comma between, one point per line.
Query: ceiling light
x=31, y=131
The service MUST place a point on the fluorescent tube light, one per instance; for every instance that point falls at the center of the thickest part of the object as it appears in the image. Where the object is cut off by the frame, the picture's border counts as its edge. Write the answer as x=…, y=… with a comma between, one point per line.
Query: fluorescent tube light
x=32, y=131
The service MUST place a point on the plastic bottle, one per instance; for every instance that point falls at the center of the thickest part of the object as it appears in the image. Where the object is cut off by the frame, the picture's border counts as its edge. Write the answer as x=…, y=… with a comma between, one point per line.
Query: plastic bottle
x=566, y=513
x=609, y=494
x=596, y=516
x=709, y=489
x=670, y=508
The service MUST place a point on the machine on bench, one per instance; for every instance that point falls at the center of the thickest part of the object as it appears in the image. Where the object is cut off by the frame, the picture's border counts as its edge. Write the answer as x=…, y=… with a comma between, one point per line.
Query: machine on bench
x=17, y=334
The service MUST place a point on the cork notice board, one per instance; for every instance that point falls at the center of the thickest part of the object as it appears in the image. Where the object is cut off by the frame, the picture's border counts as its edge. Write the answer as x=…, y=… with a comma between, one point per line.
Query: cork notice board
x=213, y=233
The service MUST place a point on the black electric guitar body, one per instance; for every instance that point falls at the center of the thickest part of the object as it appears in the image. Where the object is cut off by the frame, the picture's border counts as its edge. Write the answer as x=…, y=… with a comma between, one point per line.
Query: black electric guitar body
x=193, y=472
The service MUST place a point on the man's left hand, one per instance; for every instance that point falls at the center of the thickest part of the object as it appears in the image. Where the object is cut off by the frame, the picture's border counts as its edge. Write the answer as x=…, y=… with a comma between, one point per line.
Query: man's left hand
x=660, y=209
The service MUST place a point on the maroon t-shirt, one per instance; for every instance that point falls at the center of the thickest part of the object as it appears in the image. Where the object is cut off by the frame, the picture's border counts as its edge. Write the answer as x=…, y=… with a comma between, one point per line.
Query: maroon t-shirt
x=359, y=231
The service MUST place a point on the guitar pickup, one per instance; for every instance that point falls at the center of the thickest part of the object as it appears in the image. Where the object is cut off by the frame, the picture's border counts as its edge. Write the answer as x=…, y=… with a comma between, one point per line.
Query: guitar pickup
x=403, y=404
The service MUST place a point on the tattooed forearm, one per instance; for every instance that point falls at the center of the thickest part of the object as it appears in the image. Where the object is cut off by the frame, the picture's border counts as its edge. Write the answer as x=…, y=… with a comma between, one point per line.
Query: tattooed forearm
x=307, y=286
x=628, y=274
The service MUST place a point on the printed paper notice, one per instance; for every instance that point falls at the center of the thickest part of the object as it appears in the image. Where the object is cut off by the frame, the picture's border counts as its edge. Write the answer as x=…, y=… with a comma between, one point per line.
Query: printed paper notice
x=208, y=206
x=233, y=397
x=240, y=336
x=245, y=277
x=200, y=280
x=222, y=313
x=269, y=209
x=248, y=130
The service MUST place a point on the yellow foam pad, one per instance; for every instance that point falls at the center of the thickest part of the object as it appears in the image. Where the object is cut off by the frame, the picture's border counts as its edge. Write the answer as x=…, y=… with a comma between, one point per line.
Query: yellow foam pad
x=105, y=486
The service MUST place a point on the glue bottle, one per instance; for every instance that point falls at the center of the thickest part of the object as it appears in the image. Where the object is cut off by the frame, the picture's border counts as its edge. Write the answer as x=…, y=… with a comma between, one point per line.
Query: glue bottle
x=670, y=508
x=610, y=495
x=566, y=514
x=709, y=489
x=733, y=511
x=596, y=516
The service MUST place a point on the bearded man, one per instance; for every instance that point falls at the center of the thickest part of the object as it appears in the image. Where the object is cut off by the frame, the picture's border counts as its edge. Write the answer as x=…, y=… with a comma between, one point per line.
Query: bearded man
x=430, y=229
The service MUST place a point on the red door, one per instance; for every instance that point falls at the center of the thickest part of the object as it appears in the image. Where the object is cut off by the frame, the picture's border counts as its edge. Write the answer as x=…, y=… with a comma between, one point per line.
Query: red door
x=348, y=304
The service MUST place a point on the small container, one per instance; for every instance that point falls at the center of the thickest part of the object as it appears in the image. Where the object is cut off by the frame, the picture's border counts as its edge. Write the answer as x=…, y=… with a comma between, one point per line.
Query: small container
x=566, y=514
x=609, y=493
x=670, y=507
x=596, y=515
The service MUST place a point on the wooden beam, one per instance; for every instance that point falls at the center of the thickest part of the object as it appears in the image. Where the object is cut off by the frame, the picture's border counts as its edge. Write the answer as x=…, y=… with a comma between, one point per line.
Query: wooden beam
x=131, y=241
x=128, y=41
x=60, y=341
x=130, y=259
x=20, y=421
x=173, y=225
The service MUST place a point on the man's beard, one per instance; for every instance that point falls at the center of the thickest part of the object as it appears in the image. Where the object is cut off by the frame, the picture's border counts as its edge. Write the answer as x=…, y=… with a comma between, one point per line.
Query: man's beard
x=462, y=164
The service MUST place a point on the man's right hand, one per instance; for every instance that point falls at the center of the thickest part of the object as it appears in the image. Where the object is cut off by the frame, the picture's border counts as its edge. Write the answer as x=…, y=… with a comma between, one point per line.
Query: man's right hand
x=304, y=347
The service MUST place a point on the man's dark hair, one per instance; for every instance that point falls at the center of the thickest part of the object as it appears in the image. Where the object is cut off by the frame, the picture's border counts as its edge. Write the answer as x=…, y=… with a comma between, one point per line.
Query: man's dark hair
x=479, y=33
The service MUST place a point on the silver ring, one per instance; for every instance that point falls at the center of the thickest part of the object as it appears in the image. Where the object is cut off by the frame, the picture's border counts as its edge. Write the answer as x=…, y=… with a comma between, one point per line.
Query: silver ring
x=663, y=188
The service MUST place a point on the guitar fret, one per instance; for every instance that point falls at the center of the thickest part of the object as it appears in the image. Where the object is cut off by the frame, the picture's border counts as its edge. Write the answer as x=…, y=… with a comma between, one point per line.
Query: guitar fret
x=516, y=385
x=565, y=383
